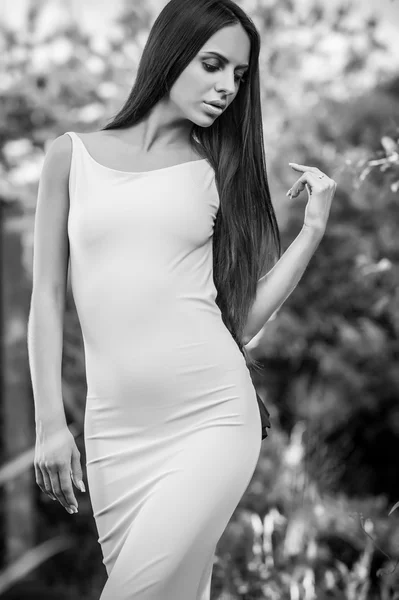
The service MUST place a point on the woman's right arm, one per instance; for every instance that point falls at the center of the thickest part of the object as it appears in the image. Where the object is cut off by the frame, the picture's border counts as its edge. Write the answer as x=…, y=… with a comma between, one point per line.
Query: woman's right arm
x=56, y=451
x=50, y=271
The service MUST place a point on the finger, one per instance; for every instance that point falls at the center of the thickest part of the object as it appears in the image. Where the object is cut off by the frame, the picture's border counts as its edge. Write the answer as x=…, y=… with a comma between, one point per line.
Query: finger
x=55, y=484
x=307, y=178
x=40, y=481
x=76, y=471
x=303, y=168
x=65, y=480
x=47, y=485
x=39, y=478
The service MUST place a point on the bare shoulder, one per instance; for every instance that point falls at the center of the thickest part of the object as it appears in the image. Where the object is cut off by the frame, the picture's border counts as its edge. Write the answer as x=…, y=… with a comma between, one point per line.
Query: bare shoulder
x=96, y=136
x=99, y=143
x=51, y=255
x=57, y=162
x=102, y=136
x=58, y=153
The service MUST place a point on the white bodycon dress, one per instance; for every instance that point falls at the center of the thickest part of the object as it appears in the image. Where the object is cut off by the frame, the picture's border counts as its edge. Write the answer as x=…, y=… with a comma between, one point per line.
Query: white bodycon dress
x=172, y=429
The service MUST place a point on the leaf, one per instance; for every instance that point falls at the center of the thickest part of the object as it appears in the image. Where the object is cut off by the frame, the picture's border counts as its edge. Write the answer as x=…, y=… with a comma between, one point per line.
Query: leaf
x=389, y=145
x=393, y=508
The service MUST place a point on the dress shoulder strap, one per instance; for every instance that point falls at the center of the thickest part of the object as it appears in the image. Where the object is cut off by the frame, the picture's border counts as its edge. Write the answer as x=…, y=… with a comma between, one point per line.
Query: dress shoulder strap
x=77, y=167
x=75, y=138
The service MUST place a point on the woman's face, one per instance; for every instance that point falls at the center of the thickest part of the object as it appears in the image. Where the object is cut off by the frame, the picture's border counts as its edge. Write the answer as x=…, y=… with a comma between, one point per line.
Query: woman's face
x=208, y=78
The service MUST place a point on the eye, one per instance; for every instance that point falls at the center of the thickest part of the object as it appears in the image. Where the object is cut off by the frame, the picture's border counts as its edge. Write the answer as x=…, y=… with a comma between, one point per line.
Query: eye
x=213, y=68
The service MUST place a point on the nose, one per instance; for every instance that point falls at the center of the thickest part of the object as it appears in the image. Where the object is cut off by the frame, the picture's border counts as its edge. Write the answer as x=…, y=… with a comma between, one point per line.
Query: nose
x=227, y=84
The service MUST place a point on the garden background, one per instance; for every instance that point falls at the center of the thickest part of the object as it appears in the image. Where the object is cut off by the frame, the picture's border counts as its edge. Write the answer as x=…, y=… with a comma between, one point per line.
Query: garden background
x=318, y=519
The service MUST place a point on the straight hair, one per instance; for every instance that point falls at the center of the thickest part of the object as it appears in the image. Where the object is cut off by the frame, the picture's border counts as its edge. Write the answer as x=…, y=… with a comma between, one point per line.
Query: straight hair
x=246, y=239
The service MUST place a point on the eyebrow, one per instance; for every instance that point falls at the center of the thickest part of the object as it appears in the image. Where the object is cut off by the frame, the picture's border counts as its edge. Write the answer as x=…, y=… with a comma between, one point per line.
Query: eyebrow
x=224, y=59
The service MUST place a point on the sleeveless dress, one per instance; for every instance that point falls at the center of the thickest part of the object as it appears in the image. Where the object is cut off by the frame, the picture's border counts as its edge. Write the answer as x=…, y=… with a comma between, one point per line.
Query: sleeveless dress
x=172, y=428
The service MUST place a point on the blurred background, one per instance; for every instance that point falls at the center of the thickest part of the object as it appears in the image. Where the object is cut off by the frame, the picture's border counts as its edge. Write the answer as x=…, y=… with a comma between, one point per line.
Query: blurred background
x=319, y=519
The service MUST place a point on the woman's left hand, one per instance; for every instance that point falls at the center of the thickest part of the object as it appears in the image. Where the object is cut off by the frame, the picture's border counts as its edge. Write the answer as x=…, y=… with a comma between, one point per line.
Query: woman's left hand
x=321, y=190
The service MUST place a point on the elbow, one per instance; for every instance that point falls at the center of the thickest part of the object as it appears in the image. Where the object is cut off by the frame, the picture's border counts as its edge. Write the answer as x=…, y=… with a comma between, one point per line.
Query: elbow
x=247, y=338
x=246, y=341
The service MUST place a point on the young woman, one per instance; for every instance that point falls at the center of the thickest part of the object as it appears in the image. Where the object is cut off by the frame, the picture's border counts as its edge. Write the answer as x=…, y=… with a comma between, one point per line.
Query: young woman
x=166, y=217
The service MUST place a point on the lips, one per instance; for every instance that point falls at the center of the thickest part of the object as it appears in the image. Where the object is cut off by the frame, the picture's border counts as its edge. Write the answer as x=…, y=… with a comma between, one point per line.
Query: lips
x=217, y=103
x=214, y=110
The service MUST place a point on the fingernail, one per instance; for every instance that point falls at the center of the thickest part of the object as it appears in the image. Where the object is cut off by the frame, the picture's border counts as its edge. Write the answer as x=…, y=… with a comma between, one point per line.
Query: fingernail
x=288, y=193
x=81, y=486
x=73, y=509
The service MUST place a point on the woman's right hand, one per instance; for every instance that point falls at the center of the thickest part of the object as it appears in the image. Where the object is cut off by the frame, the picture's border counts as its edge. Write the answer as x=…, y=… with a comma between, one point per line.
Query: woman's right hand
x=57, y=464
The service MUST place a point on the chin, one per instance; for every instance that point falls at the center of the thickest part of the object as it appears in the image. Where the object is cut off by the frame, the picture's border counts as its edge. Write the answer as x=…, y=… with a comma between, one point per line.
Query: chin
x=206, y=120
x=206, y=123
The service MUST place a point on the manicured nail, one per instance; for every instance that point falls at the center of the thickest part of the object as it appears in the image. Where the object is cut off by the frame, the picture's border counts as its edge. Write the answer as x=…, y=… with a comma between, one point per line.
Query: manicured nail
x=81, y=486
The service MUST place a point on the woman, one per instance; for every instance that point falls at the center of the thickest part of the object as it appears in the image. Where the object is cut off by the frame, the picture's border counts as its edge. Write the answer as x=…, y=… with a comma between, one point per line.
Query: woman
x=166, y=213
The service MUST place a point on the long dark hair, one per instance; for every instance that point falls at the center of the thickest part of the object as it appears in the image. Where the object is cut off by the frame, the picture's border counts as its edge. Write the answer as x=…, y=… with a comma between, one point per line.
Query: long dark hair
x=246, y=238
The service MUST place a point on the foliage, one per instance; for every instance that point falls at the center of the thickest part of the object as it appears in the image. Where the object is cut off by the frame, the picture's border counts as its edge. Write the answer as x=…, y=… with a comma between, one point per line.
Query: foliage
x=314, y=521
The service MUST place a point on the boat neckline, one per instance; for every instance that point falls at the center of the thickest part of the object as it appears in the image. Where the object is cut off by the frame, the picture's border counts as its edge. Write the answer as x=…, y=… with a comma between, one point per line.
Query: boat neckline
x=137, y=172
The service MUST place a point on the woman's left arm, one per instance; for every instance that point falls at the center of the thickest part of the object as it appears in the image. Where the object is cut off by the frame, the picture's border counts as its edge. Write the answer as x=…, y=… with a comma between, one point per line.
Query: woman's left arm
x=277, y=285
